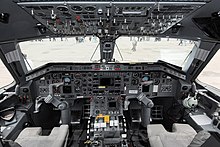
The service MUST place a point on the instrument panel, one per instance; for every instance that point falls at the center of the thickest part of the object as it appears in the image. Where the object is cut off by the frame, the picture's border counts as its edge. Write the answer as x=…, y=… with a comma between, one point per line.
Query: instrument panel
x=100, y=83
x=91, y=80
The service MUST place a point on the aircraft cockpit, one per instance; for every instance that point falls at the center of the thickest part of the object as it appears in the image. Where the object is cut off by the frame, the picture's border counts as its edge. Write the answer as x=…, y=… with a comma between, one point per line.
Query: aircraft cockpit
x=105, y=83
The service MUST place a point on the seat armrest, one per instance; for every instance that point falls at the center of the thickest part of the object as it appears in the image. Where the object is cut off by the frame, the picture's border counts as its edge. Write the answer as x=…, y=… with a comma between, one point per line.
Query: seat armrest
x=200, y=139
x=183, y=128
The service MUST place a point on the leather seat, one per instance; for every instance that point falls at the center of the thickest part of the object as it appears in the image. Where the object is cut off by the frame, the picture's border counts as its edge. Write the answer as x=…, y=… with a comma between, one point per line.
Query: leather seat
x=181, y=135
x=31, y=137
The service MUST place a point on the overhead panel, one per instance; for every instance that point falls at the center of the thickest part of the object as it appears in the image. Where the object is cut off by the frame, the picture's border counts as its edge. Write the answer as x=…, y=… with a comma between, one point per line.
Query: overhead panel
x=119, y=17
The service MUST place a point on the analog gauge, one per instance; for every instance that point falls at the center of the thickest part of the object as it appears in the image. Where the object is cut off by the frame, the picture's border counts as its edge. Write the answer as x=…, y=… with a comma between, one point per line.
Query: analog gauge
x=157, y=81
x=134, y=81
x=77, y=82
x=135, y=74
x=55, y=76
x=77, y=75
x=164, y=76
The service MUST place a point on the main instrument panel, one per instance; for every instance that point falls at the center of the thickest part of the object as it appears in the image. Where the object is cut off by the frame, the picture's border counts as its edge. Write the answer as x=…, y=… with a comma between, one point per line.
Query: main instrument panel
x=89, y=80
x=80, y=84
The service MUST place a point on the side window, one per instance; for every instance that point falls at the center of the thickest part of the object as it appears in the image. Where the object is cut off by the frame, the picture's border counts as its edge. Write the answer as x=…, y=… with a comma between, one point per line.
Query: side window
x=5, y=76
x=211, y=73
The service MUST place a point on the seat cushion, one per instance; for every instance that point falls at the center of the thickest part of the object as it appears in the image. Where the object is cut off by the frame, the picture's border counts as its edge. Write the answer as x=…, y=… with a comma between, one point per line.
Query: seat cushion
x=181, y=137
x=155, y=130
x=31, y=137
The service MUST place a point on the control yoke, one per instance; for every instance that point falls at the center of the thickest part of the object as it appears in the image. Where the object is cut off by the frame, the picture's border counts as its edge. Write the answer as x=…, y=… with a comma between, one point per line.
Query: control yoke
x=146, y=106
x=54, y=100
x=50, y=99
x=141, y=97
x=146, y=101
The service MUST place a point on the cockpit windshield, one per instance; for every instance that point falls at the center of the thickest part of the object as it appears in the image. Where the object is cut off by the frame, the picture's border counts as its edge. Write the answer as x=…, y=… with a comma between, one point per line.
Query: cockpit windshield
x=87, y=49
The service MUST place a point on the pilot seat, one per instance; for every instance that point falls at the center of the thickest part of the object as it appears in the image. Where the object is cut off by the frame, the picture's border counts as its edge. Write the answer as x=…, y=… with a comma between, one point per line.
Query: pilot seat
x=31, y=137
x=181, y=135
